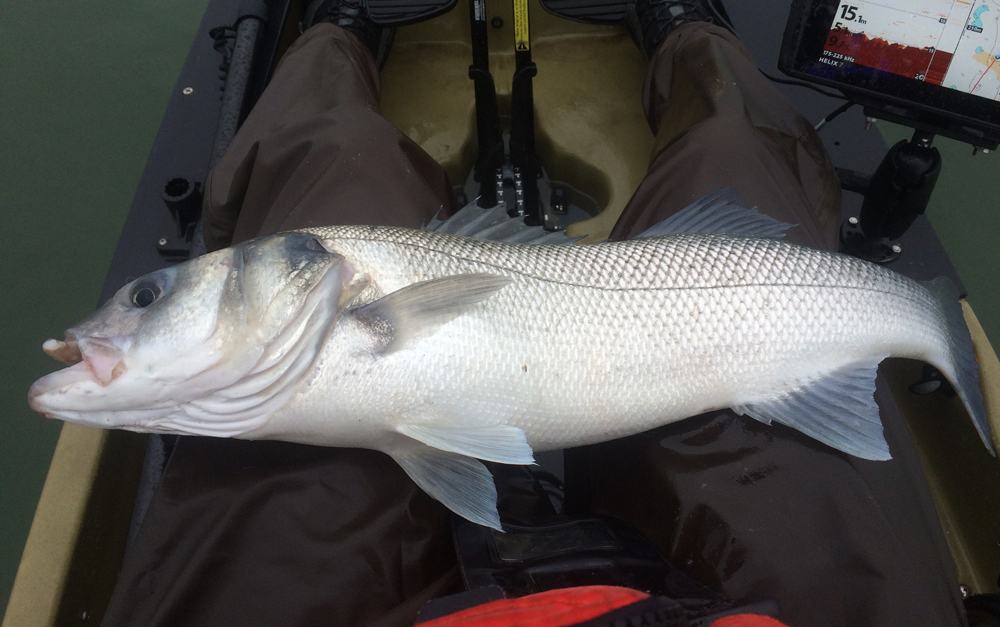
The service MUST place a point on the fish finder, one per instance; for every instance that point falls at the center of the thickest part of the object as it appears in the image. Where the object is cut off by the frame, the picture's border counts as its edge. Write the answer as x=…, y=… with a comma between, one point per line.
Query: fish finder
x=930, y=64
x=933, y=65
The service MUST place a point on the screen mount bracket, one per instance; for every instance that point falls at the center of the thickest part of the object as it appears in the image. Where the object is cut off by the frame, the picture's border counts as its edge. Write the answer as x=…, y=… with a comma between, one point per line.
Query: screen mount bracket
x=895, y=196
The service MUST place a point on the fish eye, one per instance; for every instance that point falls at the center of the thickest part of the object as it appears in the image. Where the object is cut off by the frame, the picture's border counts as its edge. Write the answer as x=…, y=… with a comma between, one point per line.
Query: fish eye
x=144, y=293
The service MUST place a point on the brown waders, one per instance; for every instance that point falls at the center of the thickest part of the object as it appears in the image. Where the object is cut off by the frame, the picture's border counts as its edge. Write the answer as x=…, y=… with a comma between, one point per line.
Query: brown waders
x=269, y=533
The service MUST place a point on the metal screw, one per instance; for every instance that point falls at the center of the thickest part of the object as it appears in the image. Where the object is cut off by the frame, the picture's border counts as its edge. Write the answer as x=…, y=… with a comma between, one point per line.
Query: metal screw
x=163, y=241
x=497, y=22
x=868, y=122
x=896, y=248
x=187, y=91
x=852, y=221
x=964, y=590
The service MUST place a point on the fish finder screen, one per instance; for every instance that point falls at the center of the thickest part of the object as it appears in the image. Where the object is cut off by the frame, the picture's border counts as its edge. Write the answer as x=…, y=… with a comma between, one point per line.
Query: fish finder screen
x=951, y=43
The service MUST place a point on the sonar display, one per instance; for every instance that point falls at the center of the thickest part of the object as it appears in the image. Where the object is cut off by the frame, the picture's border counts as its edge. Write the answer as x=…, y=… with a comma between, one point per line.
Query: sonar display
x=943, y=42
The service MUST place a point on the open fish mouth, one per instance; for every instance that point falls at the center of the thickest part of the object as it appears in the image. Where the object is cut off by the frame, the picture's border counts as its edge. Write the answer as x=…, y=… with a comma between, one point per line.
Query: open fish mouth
x=103, y=355
x=90, y=359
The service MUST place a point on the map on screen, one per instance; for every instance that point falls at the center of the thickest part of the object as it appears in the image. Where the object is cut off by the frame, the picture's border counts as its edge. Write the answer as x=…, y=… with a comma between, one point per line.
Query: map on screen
x=951, y=43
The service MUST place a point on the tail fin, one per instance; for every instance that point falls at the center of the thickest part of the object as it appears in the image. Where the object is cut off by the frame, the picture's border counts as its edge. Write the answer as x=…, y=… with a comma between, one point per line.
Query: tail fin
x=963, y=356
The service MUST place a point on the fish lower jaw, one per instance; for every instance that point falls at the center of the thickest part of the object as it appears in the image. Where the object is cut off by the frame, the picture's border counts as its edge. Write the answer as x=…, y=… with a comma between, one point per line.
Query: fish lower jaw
x=45, y=393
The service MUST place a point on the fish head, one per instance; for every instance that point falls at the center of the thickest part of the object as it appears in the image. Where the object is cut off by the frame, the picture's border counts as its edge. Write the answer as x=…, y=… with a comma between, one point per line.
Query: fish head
x=206, y=347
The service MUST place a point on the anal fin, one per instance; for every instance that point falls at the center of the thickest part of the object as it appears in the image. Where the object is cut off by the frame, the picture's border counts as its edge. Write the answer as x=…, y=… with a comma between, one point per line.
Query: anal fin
x=837, y=409
x=461, y=483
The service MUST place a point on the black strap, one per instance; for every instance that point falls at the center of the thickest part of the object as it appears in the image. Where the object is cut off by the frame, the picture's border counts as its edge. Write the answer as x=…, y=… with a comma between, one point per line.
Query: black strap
x=588, y=11
x=390, y=13
x=651, y=612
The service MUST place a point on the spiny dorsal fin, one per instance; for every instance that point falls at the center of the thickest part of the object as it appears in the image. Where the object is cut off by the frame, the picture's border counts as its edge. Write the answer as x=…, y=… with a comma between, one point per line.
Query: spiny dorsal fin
x=421, y=308
x=495, y=224
x=719, y=212
x=838, y=409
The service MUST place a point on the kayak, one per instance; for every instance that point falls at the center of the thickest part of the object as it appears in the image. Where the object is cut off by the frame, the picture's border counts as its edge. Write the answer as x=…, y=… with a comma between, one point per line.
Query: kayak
x=593, y=139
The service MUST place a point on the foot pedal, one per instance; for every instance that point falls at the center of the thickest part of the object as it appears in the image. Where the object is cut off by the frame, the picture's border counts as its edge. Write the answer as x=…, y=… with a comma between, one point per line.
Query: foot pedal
x=588, y=11
x=390, y=13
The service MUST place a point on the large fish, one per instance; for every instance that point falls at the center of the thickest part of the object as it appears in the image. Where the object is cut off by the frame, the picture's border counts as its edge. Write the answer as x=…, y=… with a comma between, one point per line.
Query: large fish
x=440, y=349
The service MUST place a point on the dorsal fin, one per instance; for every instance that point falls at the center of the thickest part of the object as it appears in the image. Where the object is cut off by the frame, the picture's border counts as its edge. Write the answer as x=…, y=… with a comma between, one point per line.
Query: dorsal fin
x=495, y=224
x=719, y=212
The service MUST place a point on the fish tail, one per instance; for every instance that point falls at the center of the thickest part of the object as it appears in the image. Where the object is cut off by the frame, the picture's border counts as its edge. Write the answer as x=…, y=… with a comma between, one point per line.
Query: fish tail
x=965, y=368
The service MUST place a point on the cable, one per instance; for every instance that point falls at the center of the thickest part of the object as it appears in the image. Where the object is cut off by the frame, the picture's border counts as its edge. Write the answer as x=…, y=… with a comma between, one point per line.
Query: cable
x=723, y=19
x=844, y=107
x=798, y=83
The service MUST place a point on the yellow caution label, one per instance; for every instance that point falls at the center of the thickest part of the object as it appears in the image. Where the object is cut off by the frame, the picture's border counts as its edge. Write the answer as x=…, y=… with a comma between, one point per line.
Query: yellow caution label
x=521, y=25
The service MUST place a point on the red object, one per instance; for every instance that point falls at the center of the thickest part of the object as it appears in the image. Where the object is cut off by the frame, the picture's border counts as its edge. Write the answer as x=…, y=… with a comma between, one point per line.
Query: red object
x=554, y=608
x=878, y=53
x=747, y=620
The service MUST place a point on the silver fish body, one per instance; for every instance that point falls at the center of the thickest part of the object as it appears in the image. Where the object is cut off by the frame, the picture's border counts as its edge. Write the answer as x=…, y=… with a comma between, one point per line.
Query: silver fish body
x=440, y=350
x=590, y=343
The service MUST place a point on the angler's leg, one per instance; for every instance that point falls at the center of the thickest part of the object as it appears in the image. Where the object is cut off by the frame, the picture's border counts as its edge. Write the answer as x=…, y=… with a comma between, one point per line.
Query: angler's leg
x=719, y=123
x=315, y=151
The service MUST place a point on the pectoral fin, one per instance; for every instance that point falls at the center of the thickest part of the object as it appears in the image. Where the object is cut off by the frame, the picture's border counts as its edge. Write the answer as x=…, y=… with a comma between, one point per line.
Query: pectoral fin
x=420, y=309
x=461, y=483
x=499, y=443
x=839, y=410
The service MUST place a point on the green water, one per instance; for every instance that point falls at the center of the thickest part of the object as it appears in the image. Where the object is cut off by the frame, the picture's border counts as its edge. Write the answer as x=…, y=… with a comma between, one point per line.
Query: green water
x=83, y=86
x=965, y=212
